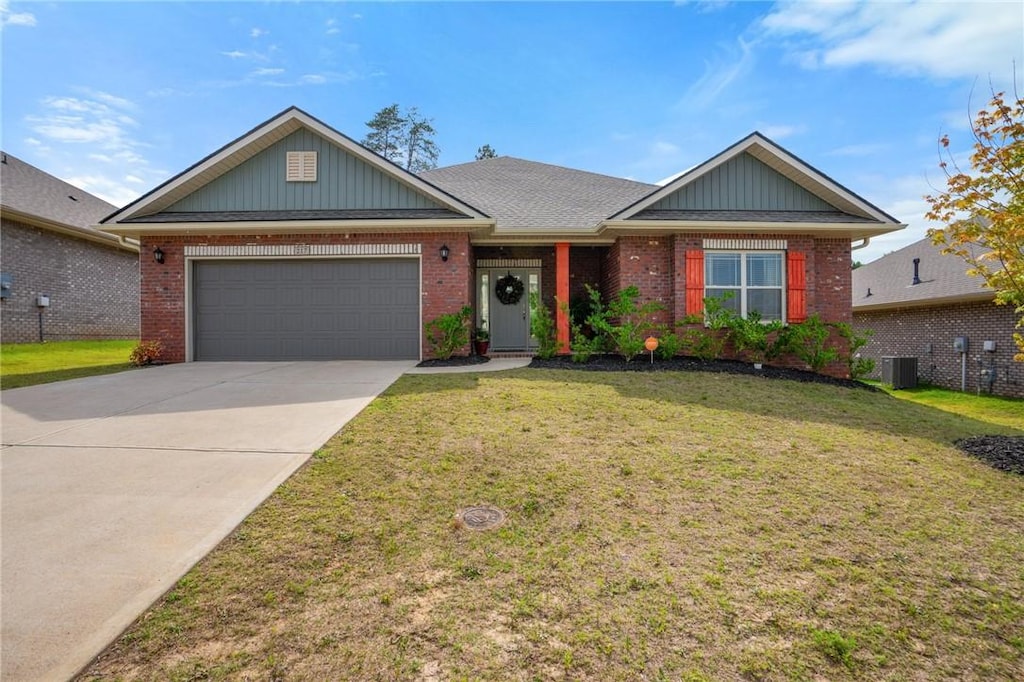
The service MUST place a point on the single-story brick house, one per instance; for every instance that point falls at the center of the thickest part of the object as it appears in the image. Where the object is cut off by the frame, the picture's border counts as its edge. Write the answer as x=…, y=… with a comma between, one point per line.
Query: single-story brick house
x=295, y=242
x=50, y=248
x=918, y=301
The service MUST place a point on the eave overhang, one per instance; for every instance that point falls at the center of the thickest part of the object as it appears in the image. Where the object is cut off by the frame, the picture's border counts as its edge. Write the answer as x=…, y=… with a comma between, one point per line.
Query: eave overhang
x=262, y=227
x=91, y=235
x=980, y=297
x=850, y=231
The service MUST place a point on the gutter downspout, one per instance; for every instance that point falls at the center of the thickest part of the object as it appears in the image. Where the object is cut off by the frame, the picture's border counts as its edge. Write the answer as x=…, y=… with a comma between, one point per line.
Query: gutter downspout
x=864, y=242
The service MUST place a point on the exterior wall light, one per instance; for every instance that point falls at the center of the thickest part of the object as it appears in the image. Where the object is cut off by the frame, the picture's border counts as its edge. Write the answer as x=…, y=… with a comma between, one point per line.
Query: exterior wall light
x=158, y=255
x=445, y=252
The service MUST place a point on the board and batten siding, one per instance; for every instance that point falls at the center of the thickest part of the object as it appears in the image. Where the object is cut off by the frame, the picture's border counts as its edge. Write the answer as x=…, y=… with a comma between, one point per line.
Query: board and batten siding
x=343, y=182
x=743, y=184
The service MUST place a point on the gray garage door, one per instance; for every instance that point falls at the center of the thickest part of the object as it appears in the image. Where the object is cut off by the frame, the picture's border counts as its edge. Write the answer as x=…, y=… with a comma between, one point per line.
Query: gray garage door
x=306, y=309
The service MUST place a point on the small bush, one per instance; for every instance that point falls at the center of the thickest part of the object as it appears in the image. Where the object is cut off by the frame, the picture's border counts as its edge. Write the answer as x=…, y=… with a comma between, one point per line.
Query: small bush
x=449, y=332
x=146, y=353
x=542, y=326
x=758, y=339
x=859, y=367
x=624, y=323
x=669, y=345
x=701, y=342
x=808, y=340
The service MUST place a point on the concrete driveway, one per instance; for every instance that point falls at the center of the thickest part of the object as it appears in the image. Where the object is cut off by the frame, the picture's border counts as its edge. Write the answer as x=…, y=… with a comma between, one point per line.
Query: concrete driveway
x=114, y=486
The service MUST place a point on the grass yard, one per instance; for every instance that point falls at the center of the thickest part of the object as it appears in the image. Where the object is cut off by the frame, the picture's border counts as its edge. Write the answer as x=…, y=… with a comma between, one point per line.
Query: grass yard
x=1006, y=411
x=676, y=526
x=27, y=364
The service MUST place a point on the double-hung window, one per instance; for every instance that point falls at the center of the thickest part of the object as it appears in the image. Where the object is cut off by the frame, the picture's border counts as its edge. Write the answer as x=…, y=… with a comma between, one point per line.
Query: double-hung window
x=754, y=278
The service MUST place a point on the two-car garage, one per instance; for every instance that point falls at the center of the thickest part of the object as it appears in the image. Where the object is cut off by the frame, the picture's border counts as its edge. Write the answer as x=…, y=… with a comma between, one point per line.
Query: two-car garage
x=305, y=309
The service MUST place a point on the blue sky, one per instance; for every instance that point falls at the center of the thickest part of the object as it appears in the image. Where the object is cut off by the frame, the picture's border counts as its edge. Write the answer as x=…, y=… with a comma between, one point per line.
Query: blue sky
x=116, y=97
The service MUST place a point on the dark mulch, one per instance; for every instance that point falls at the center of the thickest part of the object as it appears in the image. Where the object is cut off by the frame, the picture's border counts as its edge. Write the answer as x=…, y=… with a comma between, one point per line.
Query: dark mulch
x=1002, y=452
x=456, y=361
x=615, y=363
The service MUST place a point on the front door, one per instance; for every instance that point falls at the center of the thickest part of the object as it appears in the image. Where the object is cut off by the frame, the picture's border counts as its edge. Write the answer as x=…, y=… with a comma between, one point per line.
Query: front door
x=508, y=305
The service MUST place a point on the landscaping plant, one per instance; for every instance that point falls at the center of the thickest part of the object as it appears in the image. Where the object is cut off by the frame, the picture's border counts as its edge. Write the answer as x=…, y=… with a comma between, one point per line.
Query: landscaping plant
x=754, y=336
x=624, y=322
x=542, y=326
x=448, y=333
x=809, y=341
x=859, y=367
x=146, y=353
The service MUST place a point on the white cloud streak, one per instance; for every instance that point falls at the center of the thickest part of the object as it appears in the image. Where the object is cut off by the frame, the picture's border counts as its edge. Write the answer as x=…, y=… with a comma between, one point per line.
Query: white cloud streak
x=934, y=39
x=9, y=18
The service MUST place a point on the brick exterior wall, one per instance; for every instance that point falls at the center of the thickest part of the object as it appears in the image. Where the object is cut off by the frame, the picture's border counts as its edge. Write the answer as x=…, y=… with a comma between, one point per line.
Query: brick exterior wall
x=93, y=288
x=446, y=285
x=927, y=333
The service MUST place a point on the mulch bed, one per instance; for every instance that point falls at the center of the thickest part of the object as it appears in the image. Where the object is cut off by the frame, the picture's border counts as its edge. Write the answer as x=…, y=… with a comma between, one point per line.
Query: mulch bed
x=456, y=361
x=1005, y=453
x=615, y=363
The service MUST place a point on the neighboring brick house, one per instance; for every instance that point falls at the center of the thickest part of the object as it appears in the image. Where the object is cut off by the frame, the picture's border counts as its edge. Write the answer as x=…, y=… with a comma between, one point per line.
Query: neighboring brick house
x=49, y=247
x=295, y=242
x=917, y=301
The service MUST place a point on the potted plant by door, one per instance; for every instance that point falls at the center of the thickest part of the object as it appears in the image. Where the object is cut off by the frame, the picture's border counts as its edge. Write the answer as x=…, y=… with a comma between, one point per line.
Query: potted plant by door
x=481, y=341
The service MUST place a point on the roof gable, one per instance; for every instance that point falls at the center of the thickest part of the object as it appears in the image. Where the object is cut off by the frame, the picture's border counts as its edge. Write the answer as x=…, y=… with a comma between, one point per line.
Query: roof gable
x=343, y=182
x=743, y=183
x=755, y=174
x=221, y=178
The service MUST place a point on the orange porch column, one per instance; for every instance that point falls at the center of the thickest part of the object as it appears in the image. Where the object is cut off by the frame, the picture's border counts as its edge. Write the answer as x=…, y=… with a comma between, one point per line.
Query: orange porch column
x=562, y=295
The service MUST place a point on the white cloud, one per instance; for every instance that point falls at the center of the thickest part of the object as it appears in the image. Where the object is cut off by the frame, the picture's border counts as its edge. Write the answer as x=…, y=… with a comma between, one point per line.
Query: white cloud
x=858, y=150
x=313, y=79
x=258, y=33
x=235, y=54
x=92, y=135
x=936, y=39
x=267, y=72
x=719, y=75
x=332, y=27
x=779, y=132
x=357, y=16
x=9, y=18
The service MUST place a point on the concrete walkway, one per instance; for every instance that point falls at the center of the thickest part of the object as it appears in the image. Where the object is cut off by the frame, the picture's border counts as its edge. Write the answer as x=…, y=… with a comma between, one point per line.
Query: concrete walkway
x=112, y=487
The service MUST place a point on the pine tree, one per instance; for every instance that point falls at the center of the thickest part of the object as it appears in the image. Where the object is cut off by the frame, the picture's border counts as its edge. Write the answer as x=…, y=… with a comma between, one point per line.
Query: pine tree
x=485, y=152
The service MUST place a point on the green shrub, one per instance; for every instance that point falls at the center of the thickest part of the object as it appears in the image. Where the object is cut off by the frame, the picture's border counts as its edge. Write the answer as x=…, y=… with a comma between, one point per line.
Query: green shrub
x=809, y=341
x=702, y=343
x=542, y=326
x=624, y=323
x=669, y=345
x=449, y=332
x=146, y=353
x=859, y=367
x=756, y=338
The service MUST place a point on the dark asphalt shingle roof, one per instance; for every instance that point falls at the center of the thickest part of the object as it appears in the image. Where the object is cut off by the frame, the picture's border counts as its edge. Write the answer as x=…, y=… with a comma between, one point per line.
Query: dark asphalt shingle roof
x=359, y=214
x=26, y=189
x=526, y=194
x=890, y=278
x=754, y=216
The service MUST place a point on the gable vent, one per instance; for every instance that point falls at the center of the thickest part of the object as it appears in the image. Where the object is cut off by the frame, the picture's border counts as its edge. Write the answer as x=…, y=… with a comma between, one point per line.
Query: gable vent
x=301, y=167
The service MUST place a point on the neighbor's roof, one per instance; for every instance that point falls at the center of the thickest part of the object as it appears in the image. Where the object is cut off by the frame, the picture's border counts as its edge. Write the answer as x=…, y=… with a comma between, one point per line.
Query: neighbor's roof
x=38, y=198
x=889, y=279
x=522, y=194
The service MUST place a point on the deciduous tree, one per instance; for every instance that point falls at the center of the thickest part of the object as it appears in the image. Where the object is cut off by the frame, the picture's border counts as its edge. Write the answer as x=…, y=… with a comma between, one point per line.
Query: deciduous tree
x=983, y=208
x=485, y=152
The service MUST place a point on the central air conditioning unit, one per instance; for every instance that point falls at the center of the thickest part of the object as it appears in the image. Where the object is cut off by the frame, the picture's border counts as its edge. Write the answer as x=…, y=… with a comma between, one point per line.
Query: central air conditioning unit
x=899, y=372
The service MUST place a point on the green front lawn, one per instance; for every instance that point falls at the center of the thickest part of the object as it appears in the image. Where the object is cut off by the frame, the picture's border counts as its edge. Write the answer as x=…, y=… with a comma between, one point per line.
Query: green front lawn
x=27, y=364
x=678, y=526
x=1005, y=411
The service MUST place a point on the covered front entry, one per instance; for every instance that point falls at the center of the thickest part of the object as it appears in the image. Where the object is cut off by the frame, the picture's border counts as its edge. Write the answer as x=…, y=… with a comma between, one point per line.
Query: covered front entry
x=306, y=309
x=504, y=299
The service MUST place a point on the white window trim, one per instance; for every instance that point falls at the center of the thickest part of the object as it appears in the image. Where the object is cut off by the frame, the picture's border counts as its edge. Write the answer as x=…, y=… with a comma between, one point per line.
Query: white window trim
x=743, y=287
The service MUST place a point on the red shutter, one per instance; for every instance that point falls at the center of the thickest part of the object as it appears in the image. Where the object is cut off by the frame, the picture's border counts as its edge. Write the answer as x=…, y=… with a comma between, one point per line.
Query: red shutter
x=796, y=287
x=694, y=282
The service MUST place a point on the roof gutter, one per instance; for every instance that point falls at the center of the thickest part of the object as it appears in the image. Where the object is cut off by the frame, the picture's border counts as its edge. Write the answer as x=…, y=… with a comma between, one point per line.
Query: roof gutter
x=864, y=242
x=139, y=230
x=92, y=234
